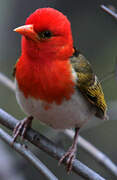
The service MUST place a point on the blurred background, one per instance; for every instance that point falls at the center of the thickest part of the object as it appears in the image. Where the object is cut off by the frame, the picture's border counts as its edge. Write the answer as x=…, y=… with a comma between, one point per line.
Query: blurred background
x=95, y=34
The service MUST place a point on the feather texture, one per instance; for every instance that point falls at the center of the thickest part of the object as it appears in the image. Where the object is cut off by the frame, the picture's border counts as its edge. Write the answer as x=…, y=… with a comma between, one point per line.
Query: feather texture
x=88, y=83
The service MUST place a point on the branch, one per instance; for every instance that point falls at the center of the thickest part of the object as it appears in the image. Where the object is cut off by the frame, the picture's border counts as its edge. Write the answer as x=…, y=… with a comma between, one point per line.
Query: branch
x=28, y=155
x=7, y=82
x=8, y=168
x=92, y=150
x=49, y=147
x=109, y=11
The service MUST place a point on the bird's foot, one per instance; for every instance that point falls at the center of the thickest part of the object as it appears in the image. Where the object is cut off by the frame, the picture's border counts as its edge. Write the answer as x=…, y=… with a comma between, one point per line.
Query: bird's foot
x=21, y=128
x=70, y=155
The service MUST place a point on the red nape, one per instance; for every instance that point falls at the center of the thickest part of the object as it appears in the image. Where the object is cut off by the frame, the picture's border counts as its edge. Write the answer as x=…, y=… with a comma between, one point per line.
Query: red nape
x=50, y=81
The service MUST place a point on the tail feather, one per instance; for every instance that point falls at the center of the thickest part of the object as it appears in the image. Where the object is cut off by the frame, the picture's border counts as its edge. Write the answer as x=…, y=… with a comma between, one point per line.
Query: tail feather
x=102, y=115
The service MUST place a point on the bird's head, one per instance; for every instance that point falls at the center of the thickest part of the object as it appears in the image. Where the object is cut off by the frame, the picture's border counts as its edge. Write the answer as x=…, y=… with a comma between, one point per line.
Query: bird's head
x=46, y=31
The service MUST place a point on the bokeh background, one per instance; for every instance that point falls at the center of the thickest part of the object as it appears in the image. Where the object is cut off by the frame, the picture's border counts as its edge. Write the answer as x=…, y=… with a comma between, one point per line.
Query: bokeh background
x=95, y=34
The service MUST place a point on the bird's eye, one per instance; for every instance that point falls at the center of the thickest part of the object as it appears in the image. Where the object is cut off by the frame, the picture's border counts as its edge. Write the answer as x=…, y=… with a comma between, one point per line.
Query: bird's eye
x=45, y=34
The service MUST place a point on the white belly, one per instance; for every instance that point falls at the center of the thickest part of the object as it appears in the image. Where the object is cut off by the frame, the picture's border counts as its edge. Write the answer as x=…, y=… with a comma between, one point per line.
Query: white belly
x=70, y=114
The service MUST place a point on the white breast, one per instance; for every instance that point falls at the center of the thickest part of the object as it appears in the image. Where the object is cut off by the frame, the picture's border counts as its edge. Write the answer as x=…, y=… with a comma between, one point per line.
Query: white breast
x=70, y=114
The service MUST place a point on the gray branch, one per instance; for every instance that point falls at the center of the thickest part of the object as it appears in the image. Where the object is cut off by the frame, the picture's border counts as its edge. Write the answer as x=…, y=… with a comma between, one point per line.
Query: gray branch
x=49, y=147
x=100, y=157
x=109, y=11
x=8, y=168
x=7, y=82
x=28, y=155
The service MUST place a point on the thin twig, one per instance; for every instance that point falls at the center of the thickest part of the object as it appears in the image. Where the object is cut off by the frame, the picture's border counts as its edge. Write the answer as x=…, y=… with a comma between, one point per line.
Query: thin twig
x=7, y=82
x=8, y=168
x=94, y=152
x=29, y=156
x=109, y=11
x=116, y=69
x=107, y=77
x=49, y=147
x=83, y=143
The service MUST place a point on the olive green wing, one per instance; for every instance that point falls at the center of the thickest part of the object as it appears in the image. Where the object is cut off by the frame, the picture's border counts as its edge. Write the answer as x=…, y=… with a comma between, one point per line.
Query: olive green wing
x=88, y=83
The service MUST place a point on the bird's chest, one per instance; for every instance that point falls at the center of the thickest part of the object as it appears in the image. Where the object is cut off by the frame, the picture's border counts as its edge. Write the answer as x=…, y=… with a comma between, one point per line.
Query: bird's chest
x=49, y=81
x=70, y=113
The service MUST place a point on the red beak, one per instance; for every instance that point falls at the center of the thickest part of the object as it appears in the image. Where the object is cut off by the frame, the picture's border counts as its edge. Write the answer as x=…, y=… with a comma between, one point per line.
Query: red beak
x=28, y=31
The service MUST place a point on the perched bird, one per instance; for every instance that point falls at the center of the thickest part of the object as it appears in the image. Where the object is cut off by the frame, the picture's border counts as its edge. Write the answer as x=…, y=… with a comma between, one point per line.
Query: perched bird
x=54, y=82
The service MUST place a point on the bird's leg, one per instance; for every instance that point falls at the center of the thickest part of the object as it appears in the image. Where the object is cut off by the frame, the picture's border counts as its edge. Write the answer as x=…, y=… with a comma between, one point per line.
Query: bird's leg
x=70, y=154
x=21, y=128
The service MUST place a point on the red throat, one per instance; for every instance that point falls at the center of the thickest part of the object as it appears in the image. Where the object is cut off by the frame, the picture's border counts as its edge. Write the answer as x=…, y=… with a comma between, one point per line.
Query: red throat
x=50, y=81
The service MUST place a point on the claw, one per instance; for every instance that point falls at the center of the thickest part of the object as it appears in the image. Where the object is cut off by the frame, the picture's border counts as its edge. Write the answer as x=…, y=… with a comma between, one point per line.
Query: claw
x=70, y=155
x=70, y=162
x=21, y=128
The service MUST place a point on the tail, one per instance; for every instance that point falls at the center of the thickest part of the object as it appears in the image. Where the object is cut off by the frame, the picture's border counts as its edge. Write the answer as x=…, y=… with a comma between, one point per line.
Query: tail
x=102, y=115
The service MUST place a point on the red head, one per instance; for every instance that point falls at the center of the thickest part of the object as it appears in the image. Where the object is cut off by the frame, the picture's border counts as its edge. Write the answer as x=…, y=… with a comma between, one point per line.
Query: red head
x=43, y=70
x=47, y=31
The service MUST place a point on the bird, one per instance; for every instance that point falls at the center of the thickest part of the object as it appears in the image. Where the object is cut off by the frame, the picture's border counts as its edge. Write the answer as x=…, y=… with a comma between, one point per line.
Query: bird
x=55, y=84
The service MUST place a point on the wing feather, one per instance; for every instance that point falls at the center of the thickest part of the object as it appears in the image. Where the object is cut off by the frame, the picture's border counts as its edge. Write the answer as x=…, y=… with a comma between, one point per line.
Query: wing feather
x=88, y=83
